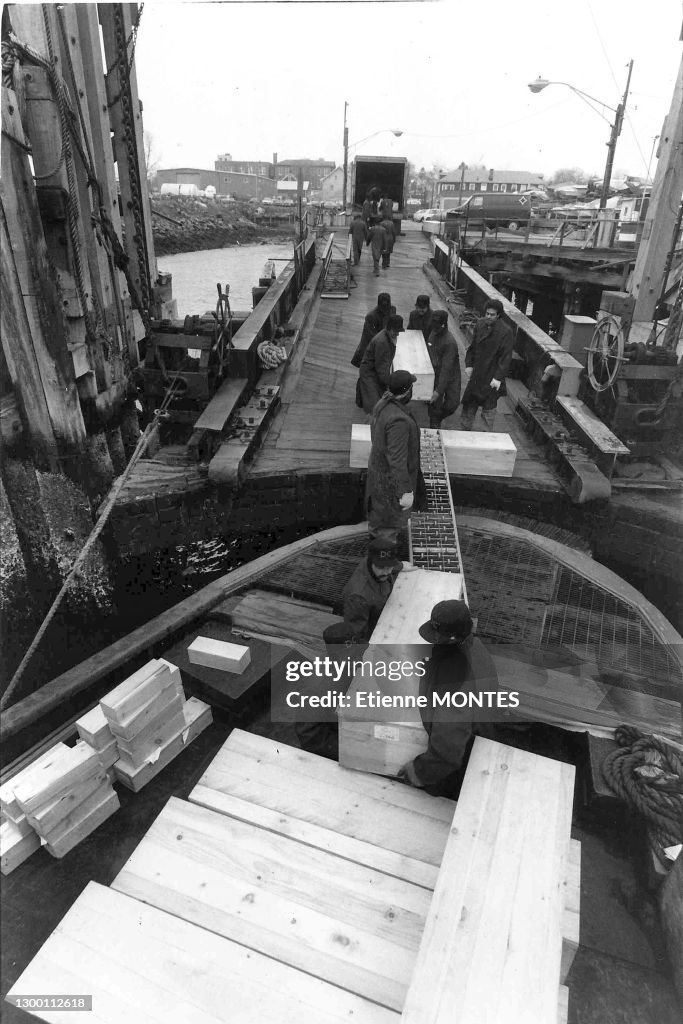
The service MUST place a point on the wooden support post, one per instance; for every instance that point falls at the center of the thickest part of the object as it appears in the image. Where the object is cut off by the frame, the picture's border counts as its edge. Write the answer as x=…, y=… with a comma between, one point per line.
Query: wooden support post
x=46, y=339
x=129, y=151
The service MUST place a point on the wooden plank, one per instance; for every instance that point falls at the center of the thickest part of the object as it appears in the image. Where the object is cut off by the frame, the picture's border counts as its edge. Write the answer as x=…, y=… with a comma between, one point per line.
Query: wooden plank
x=95, y=815
x=8, y=801
x=164, y=705
x=141, y=963
x=341, y=922
x=40, y=290
x=135, y=691
x=93, y=727
x=491, y=949
x=592, y=431
x=132, y=745
x=197, y=718
x=222, y=405
x=55, y=776
x=219, y=654
x=327, y=803
x=571, y=914
x=411, y=354
x=48, y=818
x=132, y=757
x=279, y=615
x=15, y=847
x=562, y=1005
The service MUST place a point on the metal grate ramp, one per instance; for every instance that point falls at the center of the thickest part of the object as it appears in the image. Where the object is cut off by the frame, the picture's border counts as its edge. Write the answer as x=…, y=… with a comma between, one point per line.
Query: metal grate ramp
x=433, y=534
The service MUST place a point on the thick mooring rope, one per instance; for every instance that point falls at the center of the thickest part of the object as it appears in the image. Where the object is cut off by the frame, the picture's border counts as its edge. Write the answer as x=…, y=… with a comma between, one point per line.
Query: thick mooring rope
x=647, y=773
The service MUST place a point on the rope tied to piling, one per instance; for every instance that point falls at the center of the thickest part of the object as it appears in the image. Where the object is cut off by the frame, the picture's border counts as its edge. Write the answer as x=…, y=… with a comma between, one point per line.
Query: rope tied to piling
x=647, y=773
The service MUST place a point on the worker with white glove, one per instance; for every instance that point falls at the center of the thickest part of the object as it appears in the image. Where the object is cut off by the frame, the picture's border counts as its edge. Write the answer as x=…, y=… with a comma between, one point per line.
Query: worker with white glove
x=394, y=478
x=487, y=364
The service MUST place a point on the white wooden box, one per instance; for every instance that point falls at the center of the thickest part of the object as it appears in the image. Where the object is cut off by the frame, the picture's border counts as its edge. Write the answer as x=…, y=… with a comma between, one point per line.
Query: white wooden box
x=467, y=452
x=479, y=452
x=411, y=354
x=219, y=654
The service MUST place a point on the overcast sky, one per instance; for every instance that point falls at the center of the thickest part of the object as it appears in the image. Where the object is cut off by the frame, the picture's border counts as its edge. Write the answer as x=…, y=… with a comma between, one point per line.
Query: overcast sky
x=254, y=79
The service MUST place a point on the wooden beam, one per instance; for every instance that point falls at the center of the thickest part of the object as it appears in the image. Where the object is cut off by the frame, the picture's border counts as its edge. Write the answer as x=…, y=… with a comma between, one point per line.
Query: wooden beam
x=39, y=285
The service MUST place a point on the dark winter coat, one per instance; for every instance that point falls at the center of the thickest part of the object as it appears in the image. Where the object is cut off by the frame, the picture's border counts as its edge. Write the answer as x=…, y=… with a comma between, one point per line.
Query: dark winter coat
x=489, y=355
x=364, y=598
x=451, y=668
x=394, y=464
x=375, y=321
x=443, y=351
x=421, y=322
x=388, y=226
x=386, y=207
x=359, y=232
x=375, y=369
x=378, y=240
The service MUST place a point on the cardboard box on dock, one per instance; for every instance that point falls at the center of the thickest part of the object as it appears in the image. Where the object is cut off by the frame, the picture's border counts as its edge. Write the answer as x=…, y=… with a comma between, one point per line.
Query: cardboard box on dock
x=197, y=716
x=467, y=452
x=219, y=654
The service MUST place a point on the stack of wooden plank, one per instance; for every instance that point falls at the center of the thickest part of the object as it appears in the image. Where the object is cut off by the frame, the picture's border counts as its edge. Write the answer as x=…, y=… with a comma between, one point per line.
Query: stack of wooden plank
x=65, y=795
x=18, y=840
x=468, y=452
x=93, y=729
x=150, y=720
x=502, y=929
x=297, y=891
x=368, y=742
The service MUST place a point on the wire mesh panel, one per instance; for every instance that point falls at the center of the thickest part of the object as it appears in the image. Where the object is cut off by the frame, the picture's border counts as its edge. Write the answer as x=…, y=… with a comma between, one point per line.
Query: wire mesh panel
x=600, y=627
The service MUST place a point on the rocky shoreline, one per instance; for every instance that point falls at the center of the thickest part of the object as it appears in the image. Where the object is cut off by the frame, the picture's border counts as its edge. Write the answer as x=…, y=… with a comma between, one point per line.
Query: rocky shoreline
x=187, y=224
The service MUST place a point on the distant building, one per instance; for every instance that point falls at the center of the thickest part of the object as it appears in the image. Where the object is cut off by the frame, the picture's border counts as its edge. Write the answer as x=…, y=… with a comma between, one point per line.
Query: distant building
x=226, y=183
x=313, y=170
x=262, y=168
x=455, y=183
x=333, y=185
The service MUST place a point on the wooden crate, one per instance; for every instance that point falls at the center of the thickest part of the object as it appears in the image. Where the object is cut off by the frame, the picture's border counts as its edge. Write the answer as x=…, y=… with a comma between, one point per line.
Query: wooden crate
x=411, y=354
x=197, y=717
x=467, y=452
x=383, y=741
x=219, y=654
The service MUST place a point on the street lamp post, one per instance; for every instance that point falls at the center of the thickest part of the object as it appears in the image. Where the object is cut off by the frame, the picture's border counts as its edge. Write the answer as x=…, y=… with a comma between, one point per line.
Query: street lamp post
x=615, y=129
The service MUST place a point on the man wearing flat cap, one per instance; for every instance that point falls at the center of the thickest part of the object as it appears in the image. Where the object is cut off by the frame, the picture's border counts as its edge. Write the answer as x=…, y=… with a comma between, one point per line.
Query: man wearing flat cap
x=458, y=662
x=368, y=589
x=394, y=464
x=443, y=351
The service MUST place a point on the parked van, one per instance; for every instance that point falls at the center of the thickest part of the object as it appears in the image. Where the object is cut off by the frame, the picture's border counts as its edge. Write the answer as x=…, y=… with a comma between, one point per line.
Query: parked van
x=506, y=209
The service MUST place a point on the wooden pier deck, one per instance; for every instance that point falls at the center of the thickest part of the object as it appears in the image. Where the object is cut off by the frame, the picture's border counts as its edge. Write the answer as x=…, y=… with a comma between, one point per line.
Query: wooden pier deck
x=312, y=429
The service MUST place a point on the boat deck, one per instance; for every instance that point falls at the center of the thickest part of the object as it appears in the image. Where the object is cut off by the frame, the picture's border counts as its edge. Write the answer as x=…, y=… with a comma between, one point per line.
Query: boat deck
x=312, y=429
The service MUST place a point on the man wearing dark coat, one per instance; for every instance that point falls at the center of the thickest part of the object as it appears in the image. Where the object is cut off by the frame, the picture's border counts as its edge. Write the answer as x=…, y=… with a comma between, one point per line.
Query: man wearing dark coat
x=459, y=662
x=386, y=207
x=487, y=363
x=443, y=351
x=420, y=318
x=377, y=243
x=388, y=226
x=368, y=589
x=375, y=321
x=369, y=211
x=375, y=367
x=359, y=236
x=394, y=464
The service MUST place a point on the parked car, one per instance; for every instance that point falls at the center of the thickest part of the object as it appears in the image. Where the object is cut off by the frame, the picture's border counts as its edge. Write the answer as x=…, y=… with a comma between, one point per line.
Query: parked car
x=431, y=214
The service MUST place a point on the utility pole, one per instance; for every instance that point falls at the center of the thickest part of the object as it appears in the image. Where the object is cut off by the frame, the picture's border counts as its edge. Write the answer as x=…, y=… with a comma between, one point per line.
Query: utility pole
x=462, y=169
x=346, y=157
x=664, y=204
x=612, y=144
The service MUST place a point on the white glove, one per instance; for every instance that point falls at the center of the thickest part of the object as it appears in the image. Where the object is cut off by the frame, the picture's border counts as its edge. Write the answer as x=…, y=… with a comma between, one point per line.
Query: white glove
x=495, y=383
x=406, y=501
x=468, y=371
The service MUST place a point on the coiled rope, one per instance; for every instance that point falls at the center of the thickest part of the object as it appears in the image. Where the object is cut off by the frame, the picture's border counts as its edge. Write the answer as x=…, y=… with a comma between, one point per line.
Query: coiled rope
x=647, y=773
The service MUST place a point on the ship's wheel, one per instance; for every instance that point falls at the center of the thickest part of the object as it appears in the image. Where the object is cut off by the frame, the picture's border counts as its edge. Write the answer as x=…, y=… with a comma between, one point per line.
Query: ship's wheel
x=605, y=354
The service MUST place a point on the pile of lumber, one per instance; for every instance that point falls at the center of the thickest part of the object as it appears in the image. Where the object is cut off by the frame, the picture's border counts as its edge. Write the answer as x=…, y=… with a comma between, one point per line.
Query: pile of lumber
x=503, y=927
x=55, y=802
x=150, y=721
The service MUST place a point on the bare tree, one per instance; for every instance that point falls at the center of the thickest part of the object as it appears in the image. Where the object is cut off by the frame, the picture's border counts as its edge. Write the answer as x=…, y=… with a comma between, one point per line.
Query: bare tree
x=151, y=155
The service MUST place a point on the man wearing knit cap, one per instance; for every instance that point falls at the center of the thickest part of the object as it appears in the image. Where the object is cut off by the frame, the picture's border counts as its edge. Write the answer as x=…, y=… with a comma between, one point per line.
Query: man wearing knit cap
x=375, y=321
x=375, y=367
x=459, y=662
x=394, y=464
x=443, y=351
x=420, y=318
